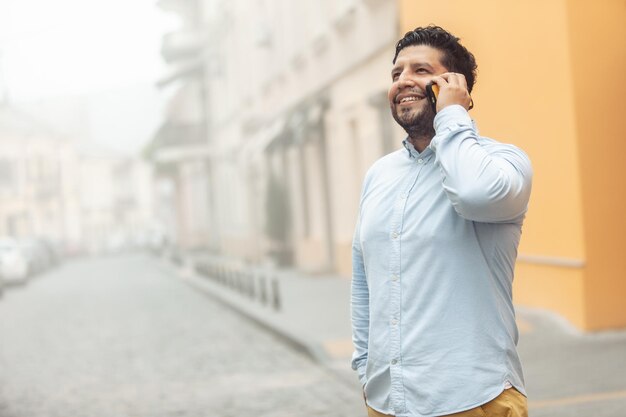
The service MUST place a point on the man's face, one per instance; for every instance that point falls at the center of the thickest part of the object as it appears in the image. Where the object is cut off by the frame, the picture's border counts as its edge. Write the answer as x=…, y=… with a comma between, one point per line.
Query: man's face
x=414, y=68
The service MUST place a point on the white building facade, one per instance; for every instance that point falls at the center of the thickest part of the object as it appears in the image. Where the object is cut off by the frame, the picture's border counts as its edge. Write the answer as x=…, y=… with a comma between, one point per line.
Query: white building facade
x=297, y=111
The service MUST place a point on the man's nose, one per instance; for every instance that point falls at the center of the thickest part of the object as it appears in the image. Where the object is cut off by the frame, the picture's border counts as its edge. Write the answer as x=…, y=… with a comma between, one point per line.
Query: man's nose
x=405, y=80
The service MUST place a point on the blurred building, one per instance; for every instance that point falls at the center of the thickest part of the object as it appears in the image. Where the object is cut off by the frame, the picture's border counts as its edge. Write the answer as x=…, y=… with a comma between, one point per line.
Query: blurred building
x=33, y=198
x=52, y=186
x=180, y=149
x=116, y=208
x=280, y=107
x=293, y=102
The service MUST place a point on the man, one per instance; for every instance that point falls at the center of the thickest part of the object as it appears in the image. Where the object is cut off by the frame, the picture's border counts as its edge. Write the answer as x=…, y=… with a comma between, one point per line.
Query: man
x=434, y=250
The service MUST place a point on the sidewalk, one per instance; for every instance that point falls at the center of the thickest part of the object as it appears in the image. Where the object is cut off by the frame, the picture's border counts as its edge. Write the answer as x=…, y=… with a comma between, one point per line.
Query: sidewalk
x=312, y=313
x=568, y=373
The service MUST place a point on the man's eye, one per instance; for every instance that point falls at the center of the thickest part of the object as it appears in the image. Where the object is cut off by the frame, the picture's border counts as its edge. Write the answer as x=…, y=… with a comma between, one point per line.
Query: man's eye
x=422, y=70
x=394, y=76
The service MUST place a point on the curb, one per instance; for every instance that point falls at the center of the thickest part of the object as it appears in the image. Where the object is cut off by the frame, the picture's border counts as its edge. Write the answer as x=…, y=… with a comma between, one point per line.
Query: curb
x=261, y=315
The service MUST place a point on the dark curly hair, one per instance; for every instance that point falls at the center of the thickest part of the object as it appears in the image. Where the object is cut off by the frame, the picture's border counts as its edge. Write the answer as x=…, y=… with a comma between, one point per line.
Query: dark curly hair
x=456, y=57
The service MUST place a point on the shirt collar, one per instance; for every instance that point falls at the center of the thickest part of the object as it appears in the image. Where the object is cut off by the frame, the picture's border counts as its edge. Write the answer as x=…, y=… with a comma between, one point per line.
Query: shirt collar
x=412, y=152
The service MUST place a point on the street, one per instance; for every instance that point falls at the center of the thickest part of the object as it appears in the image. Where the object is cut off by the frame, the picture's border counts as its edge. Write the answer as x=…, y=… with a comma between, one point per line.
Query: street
x=121, y=336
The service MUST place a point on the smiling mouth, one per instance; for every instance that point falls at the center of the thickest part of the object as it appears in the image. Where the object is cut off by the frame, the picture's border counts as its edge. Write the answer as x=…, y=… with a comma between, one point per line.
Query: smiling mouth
x=410, y=99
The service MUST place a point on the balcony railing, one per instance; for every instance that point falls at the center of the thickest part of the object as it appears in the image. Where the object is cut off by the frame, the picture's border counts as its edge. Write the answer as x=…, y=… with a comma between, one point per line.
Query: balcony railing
x=181, y=45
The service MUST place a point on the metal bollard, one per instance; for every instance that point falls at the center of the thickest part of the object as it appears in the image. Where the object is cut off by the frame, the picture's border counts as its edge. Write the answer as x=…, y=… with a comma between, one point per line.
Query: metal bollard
x=221, y=275
x=233, y=279
x=235, y=276
x=238, y=281
x=176, y=258
x=250, y=285
x=229, y=278
x=224, y=280
x=198, y=268
x=276, y=301
x=243, y=283
x=262, y=290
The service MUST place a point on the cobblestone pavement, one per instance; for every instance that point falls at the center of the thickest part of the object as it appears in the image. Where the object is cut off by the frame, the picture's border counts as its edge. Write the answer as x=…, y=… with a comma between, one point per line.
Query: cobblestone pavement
x=118, y=337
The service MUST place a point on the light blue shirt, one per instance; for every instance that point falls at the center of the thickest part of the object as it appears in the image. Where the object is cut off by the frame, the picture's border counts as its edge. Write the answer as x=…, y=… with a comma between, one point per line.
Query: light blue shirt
x=433, y=256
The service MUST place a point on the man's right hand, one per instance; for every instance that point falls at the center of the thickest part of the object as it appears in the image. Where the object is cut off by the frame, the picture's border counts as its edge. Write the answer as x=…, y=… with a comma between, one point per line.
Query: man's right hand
x=452, y=90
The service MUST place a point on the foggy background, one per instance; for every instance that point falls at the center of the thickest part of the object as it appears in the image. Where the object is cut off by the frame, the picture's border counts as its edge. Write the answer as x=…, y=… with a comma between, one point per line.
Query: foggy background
x=147, y=143
x=78, y=105
x=156, y=152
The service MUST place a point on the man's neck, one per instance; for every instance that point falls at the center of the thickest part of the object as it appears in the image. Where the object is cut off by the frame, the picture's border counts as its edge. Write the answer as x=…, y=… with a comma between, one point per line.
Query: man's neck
x=420, y=142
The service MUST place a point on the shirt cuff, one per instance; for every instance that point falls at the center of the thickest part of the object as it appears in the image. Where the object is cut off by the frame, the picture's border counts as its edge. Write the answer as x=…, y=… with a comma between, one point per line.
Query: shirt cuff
x=448, y=119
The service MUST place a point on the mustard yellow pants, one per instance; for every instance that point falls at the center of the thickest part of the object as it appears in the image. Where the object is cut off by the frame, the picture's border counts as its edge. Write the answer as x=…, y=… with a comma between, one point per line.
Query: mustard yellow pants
x=508, y=404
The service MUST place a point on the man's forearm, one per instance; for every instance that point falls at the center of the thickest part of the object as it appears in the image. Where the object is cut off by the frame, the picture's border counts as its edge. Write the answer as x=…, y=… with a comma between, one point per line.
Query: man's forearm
x=482, y=186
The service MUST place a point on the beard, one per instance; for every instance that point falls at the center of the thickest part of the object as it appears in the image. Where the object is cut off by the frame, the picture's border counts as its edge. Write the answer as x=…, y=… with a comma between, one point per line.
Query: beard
x=416, y=122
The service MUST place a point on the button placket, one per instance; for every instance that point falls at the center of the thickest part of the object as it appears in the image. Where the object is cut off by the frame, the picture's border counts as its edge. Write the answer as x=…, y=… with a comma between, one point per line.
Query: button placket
x=395, y=343
x=395, y=291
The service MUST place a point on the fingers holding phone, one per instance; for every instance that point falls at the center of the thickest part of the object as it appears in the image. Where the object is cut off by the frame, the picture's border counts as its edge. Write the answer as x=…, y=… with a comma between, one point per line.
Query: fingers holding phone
x=448, y=89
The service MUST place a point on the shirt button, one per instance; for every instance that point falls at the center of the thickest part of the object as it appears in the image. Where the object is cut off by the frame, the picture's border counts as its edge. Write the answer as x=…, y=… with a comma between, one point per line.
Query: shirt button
x=394, y=361
x=394, y=322
x=420, y=161
x=394, y=235
x=394, y=277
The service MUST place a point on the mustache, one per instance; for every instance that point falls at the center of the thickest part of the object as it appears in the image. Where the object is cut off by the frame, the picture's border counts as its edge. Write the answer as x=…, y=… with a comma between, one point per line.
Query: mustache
x=412, y=91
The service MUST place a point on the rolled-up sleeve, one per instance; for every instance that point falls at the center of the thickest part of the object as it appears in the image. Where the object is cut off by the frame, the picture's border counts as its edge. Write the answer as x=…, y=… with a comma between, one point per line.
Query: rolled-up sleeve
x=485, y=182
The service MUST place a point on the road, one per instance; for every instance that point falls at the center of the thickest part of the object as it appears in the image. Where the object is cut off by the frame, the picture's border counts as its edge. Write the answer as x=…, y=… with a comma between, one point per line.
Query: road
x=123, y=337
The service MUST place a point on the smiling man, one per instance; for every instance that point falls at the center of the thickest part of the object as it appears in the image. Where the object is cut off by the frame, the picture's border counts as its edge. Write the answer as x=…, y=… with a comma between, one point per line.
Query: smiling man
x=434, y=250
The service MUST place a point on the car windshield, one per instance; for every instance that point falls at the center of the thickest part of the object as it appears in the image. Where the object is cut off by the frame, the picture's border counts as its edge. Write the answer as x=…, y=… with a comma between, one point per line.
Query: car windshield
x=7, y=245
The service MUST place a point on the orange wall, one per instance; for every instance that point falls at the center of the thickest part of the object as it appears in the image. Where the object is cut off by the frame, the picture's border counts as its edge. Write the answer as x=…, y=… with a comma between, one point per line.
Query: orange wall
x=532, y=90
x=598, y=44
x=551, y=287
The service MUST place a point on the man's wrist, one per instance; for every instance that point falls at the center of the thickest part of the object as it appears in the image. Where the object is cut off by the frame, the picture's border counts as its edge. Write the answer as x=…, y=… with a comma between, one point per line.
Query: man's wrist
x=449, y=118
x=453, y=112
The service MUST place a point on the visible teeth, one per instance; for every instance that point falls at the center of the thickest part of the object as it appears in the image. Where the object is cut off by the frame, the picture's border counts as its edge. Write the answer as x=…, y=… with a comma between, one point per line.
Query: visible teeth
x=408, y=99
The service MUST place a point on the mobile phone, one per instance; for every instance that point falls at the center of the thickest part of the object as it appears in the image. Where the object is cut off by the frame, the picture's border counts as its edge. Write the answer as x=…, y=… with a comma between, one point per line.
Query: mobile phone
x=432, y=91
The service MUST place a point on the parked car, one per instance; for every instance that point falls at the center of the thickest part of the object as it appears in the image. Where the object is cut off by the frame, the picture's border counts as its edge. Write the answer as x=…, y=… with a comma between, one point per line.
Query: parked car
x=13, y=262
x=52, y=250
x=38, y=255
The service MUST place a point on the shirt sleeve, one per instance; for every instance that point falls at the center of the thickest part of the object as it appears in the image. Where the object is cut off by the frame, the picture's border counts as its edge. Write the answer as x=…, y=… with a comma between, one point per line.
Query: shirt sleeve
x=359, y=307
x=484, y=183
